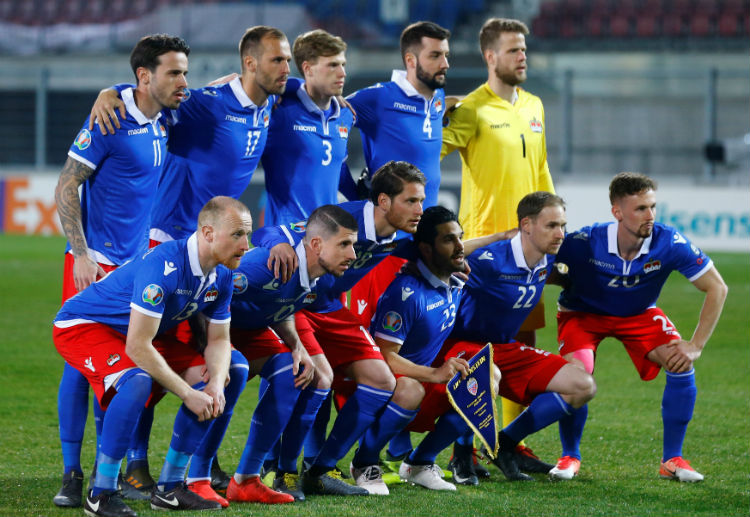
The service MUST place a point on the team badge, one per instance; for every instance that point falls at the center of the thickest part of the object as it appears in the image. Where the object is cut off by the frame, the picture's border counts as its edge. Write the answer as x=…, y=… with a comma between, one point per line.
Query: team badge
x=310, y=297
x=542, y=275
x=112, y=359
x=438, y=105
x=265, y=120
x=163, y=130
x=83, y=140
x=652, y=265
x=211, y=295
x=472, y=385
x=153, y=294
x=298, y=227
x=392, y=321
x=239, y=281
x=389, y=247
x=535, y=125
x=344, y=132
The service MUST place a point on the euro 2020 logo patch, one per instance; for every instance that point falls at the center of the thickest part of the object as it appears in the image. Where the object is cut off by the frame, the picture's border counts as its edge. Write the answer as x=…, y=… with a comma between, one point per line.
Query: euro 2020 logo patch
x=239, y=281
x=392, y=321
x=83, y=140
x=153, y=294
x=472, y=385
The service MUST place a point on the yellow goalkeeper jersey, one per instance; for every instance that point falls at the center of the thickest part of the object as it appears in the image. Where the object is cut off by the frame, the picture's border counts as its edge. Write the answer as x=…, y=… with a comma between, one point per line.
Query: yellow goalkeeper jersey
x=503, y=155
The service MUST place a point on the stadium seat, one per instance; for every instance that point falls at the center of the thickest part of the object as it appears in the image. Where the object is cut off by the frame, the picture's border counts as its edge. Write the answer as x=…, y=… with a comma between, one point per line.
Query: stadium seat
x=700, y=26
x=619, y=26
x=595, y=26
x=569, y=27
x=647, y=26
x=672, y=25
x=728, y=25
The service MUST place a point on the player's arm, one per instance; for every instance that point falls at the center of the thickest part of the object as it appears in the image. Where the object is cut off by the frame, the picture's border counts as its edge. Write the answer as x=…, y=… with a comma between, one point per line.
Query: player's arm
x=104, y=110
x=217, y=354
x=287, y=331
x=73, y=175
x=460, y=128
x=684, y=353
x=282, y=259
x=347, y=186
x=141, y=331
x=471, y=245
x=402, y=366
x=544, y=181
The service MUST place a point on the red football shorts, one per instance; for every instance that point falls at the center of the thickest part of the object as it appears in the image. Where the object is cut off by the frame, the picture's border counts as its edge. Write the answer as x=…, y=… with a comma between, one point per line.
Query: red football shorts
x=525, y=371
x=69, y=286
x=342, y=337
x=640, y=334
x=366, y=293
x=258, y=343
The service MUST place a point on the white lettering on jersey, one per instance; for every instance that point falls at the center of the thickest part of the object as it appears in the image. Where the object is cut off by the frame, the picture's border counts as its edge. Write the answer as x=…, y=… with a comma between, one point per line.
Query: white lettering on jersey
x=138, y=131
x=232, y=118
x=406, y=107
x=435, y=305
x=310, y=129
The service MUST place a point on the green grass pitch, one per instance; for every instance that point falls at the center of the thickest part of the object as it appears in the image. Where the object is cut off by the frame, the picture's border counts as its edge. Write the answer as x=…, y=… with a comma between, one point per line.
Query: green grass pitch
x=621, y=446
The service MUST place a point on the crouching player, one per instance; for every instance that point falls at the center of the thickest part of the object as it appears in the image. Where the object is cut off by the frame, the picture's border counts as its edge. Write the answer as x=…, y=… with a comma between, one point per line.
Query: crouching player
x=616, y=272
x=505, y=283
x=114, y=334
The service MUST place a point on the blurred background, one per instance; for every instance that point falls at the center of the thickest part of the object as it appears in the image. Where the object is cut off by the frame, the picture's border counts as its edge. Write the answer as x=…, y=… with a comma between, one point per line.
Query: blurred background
x=657, y=86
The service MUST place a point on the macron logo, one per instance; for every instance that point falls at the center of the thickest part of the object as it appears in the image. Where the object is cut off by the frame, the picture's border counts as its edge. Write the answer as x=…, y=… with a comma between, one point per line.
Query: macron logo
x=169, y=267
x=486, y=255
x=272, y=285
x=361, y=304
x=406, y=292
x=89, y=364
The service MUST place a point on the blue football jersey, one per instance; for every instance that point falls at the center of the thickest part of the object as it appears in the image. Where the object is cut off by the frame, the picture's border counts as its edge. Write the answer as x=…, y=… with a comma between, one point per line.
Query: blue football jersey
x=260, y=300
x=166, y=282
x=418, y=313
x=214, y=148
x=397, y=123
x=602, y=282
x=370, y=250
x=303, y=157
x=127, y=167
x=500, y=292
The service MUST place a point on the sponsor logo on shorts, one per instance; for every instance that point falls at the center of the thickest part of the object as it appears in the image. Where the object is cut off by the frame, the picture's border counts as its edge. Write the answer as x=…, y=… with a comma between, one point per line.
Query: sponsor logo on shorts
x=472, y=385
x=361, y=304
x=112, y=359
x=89, y=364
x=153, y=294
x=211, y=295
x=239, y=281
x=392, y=321
x=83, y=140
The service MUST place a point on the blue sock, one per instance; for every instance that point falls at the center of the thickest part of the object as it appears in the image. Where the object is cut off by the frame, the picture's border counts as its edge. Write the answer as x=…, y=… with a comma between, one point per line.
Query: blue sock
x=391, y=421
x=299, y=425
x=271, y=414
x=138, y=451
x=133, y=390
x=186, y=436
x=545, y=409
x=98, y=423
x=448, y=427
x=677, y=406
x=400, y=445
x=571, y=431
x=466, y=439
x=316, y=437
x=355, y=417
x=72, y=410
x=272, y=458
x=200, y=464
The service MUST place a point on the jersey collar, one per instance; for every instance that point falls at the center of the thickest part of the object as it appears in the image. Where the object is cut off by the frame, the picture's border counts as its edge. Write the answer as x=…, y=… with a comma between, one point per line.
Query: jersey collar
x=399, y=77
x=195, y=264
x=612, y=242
x=304, y=276
x=435, y=281
x=513, y=99
x=308, y=103
x=368, y=216
x=239, y=92
x=129, y=100
x=515, y=245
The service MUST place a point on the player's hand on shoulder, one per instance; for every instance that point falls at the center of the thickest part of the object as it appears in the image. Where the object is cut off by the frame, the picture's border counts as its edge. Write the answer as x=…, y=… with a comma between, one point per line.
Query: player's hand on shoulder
x=85, y=272
x=104, y=111
x=282, y=260
x=219, y=81
x=345, y=104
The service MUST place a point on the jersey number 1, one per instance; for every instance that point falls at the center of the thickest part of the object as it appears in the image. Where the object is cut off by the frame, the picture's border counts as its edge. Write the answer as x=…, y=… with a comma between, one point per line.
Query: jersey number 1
x=252, y=141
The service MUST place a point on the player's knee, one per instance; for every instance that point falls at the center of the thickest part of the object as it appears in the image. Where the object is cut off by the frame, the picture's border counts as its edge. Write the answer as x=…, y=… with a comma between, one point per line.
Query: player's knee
x=409, y=393
x=323, y=372
x=377, y=374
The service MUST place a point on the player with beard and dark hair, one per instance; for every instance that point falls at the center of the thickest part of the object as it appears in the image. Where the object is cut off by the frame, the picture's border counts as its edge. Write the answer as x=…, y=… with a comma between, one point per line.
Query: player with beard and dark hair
x=499, y=130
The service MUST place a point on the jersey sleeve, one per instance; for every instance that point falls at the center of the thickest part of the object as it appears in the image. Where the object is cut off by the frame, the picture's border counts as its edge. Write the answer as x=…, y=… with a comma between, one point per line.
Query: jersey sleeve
x=270, y=236
x=365, y=103
x=218, y=311
x=544, y=178
x=462, y=124
x=394, y=316
x=90, y=147
x=688, y=258
x=346, y=183
x=151, y=288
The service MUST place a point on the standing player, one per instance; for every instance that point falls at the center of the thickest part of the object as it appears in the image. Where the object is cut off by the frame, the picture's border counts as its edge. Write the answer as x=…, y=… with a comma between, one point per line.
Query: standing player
x=402, y=120
x=311, y=121
x=499, y=130
x=113, y=333
x=616, y=271
x=263, y=330
x=506, y=280
x=106, y=227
